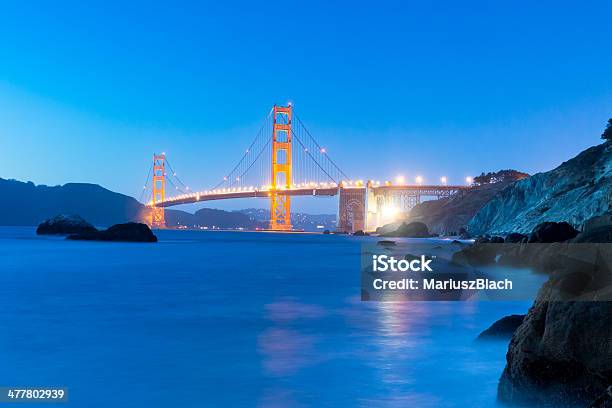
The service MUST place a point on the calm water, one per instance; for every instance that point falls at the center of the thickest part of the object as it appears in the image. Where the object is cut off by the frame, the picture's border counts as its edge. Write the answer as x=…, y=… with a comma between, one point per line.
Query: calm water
x=231, y=319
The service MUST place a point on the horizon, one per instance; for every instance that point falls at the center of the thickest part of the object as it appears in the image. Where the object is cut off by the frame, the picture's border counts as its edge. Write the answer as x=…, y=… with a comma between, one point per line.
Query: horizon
x=468, y=90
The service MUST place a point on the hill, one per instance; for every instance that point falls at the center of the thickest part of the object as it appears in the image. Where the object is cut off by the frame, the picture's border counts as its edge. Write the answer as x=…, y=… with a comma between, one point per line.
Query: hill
x=575, y=191
x=449, y=215
x=25, y=203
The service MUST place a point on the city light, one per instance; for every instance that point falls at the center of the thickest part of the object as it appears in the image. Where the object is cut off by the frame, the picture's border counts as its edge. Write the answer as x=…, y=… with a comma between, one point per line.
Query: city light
x=469, y=180
x=443, y=180
x=418, y=179
x=400, y=179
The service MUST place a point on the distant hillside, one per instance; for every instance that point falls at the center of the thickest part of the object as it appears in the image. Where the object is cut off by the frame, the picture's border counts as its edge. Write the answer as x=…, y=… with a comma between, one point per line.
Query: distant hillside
x=299, y=221
x=575, y=191
x=211, y=218
x=449, y=215
x=28, y=204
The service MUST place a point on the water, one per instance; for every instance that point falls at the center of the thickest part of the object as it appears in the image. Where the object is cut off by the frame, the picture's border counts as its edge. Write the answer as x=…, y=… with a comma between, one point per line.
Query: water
x=231, y=319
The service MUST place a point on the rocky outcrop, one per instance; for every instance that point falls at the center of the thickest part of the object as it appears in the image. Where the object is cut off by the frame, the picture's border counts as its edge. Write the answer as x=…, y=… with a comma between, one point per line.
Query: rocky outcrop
x=515, y=238
x=410, y=230
x=549, y=232
x=561, y=355
x=575, y=191
x=502, y=329
x=448, y=216
x=129, y=232
x=64, y=225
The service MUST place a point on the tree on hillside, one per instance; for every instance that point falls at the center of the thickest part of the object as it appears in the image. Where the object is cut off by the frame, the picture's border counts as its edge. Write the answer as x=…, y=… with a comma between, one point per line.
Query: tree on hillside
x=607, y=134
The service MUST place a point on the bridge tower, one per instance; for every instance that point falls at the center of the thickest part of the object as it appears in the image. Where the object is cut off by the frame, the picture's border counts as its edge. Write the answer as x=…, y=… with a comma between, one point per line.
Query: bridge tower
x=280, y=204
x=159, y=191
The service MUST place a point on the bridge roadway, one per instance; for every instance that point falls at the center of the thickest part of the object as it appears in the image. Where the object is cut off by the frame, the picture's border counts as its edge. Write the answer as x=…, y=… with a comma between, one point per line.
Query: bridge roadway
x=421, y=190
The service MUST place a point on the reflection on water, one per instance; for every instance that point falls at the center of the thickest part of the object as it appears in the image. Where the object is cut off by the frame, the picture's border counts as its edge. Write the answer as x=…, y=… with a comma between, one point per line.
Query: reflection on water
x=206, y=319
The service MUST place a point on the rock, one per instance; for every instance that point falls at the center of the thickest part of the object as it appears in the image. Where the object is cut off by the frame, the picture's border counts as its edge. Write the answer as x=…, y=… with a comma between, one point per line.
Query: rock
x=326, y=232
x=502, y=329
x=454, y=241
x=411, y=230
x=480, y=254
x=482, y=240
x=64, y=225
x=359, y=233
x=575, y=191
x=515, y=238
x=496, y=240
x=463, y=233
x=604, y=400
x=385, y=243
x=596, y=235
x=129, y=232
x=548, y=232
x=596, y=230
x=561, y=355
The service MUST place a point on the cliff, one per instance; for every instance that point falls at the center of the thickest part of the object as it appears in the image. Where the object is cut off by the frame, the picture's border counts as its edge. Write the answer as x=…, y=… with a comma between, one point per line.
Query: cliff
x=449, y=215
x=577, y=190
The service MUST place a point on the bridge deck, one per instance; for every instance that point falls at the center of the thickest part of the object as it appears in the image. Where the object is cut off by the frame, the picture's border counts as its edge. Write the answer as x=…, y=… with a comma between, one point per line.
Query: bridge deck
x=425, y=190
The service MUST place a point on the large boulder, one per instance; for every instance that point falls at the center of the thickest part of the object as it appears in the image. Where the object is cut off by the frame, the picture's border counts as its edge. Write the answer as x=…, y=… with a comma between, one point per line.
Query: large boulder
x=515, y=238
x=548, y=232
x=596, y=230
x=502, y=329
x=129, y=232
x=561, y=355
x=64, y=225
x=410, y=230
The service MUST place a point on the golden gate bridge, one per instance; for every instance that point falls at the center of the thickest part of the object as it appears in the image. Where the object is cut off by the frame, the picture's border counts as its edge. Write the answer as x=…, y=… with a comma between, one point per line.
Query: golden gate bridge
x=285, y=160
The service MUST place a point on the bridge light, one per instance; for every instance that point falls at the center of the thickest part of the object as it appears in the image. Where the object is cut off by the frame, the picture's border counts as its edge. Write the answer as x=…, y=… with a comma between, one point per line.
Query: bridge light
x=247, y=150
x=174, y=174
x=323, y=150
x=387, y=183
x=400, y=179
x=469, y=180
x=389, y=210
x=418, y=179
x=443, y=180
x=225, y=178
x=237, y=178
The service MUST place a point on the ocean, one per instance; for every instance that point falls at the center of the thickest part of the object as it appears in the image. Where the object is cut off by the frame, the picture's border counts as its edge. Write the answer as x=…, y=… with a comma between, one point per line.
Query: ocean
x=213, y=318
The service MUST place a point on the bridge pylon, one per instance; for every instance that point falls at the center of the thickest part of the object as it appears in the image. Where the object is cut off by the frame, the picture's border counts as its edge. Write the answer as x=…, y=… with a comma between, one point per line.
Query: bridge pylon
x=158, y=191
x=280, y=204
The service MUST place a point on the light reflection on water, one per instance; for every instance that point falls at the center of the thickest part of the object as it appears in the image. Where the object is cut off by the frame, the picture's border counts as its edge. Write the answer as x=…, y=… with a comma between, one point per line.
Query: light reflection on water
x=235, y=319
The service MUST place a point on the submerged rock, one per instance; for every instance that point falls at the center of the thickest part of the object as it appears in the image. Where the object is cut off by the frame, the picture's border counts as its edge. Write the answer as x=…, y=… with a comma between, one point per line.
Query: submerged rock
x=502, y=329
x=410, y=230
x=385, y=243
x=65, y=224
x=549, y=232
x=129, y=232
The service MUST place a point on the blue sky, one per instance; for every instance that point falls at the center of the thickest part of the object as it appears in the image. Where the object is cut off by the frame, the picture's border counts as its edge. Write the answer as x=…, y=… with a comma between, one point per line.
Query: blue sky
x=89, y=92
